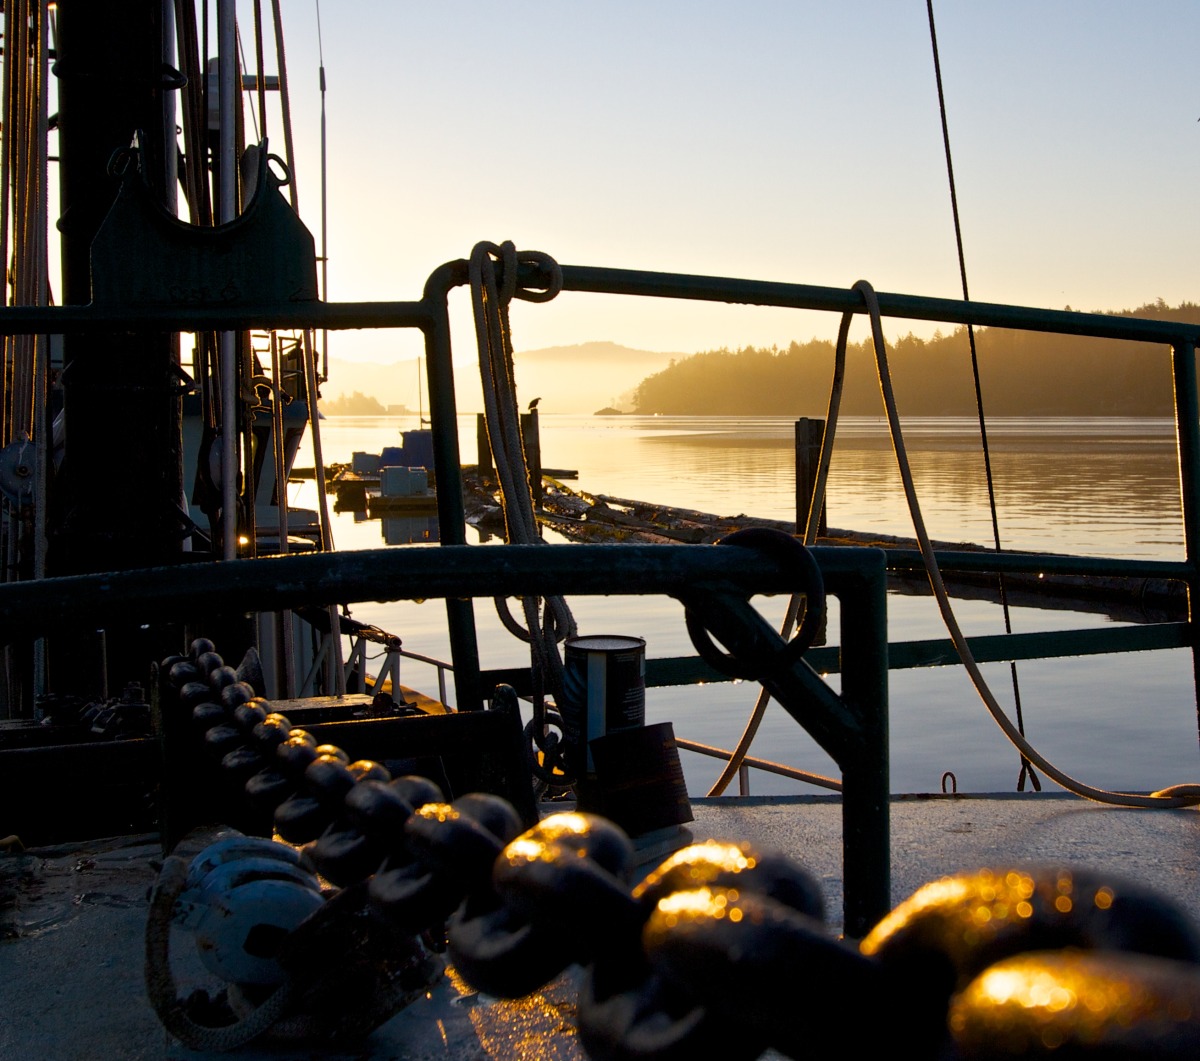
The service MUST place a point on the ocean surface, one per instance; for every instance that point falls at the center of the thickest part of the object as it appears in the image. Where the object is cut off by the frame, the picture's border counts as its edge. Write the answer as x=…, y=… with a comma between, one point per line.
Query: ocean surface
x=1099, y=487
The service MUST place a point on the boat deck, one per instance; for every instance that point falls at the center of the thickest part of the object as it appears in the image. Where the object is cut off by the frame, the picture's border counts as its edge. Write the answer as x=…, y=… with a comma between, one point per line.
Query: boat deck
x=72, y=920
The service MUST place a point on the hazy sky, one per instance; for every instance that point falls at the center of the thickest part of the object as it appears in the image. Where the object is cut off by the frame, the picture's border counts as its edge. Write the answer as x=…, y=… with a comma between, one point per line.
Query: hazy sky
x=792, y=141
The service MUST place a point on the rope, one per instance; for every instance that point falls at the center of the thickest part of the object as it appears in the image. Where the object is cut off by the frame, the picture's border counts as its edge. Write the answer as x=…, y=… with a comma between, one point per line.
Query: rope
x=1186, y=795
x=494, y=337
x=1026, y=767
x=194, y=115
x=160, y=982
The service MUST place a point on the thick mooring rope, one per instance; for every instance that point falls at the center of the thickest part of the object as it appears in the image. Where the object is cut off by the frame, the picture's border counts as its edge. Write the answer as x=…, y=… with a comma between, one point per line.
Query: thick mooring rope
x=1185, y=795
x=490, y=301
x=160, y=983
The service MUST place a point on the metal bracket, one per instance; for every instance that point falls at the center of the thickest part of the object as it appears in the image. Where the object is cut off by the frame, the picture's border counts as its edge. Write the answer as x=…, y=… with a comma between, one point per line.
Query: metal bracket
x=145, y=256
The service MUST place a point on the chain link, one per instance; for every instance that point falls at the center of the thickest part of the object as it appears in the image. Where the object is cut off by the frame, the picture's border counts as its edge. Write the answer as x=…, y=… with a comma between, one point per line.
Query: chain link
x=721, y=949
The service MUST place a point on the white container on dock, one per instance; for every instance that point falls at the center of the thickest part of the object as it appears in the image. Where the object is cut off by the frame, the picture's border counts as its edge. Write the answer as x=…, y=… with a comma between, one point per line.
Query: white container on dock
x=403, y=482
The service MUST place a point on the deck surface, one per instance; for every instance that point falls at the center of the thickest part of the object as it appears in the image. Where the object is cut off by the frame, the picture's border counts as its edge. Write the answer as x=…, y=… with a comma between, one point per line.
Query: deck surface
x=72, y=920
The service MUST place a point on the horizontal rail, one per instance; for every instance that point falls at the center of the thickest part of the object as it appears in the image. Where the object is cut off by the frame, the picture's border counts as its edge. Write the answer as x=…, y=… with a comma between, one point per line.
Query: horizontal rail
x=766, y=765
x=986, y=562
x=844, y=300
x=148, y=595
x=97, y=320
x=18, y=320
x=1047, y=644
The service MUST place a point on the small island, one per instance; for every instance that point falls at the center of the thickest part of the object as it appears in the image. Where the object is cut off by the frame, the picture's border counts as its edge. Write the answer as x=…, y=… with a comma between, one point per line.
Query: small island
x=359, y=404
x=608, y=410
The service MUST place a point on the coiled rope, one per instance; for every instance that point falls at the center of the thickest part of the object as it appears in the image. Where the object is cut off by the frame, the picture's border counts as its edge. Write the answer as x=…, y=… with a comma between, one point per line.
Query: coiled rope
x=160, y=982
x=548, y=621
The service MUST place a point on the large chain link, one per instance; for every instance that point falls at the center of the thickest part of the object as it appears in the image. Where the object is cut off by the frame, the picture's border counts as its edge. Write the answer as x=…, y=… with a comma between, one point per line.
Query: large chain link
x=723, y=948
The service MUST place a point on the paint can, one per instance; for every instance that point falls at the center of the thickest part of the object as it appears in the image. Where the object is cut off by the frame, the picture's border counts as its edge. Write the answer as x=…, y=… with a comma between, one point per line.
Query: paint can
x=604, y=691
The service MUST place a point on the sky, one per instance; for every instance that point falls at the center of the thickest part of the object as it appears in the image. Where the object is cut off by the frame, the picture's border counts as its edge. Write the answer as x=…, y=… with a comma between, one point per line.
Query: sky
x=790, y=141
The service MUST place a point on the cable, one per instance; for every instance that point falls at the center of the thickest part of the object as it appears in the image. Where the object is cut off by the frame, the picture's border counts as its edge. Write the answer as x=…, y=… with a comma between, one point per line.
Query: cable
x=1026, y=768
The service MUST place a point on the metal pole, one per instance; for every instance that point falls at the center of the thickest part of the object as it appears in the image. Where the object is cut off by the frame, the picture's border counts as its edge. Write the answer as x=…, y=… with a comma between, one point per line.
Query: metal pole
x=227, y=211
x=443, y=422
x=866, y=781
x=1187, y=433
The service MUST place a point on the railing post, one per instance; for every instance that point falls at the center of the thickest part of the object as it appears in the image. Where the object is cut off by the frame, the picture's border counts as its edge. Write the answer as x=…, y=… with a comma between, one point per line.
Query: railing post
x=1187, y=434
x=452, y=522
x=866, y=778
x=809, y=435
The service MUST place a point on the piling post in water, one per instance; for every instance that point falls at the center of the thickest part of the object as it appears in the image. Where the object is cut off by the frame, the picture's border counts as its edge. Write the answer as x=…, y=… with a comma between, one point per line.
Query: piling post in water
x=485, y=466
x=810, y=434
x=531, y=439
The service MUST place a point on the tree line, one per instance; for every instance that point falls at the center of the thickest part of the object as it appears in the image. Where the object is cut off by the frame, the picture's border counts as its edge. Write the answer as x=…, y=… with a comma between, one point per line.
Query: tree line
x=1021, y=373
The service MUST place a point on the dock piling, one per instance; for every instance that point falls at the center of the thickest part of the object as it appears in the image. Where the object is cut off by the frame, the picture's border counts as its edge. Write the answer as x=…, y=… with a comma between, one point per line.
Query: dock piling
x=810, y=433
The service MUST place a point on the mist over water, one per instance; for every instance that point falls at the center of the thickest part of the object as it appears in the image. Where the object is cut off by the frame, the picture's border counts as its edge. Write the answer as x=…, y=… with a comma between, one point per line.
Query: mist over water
x=1099, y=487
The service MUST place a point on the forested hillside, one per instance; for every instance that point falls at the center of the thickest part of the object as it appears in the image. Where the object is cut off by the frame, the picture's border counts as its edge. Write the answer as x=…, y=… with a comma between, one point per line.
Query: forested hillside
x=1023, y=374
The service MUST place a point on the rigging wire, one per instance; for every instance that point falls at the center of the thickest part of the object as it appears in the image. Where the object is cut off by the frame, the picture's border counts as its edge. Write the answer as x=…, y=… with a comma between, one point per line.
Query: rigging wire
x=285, y=104
x=1026, y=767
x=253, y=117
x=260, y=67
x=324, y=197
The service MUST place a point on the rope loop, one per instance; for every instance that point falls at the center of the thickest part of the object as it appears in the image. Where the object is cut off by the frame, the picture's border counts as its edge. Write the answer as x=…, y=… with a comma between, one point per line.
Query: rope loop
x=486, y=255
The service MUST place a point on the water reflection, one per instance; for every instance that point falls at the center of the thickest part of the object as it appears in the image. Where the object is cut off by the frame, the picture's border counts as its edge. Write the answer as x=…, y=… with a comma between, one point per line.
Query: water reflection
x=1101, y=487
x=1095, y=487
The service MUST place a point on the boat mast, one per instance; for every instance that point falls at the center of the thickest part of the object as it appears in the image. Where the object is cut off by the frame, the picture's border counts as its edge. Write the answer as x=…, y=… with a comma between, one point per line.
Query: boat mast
x=116, y=497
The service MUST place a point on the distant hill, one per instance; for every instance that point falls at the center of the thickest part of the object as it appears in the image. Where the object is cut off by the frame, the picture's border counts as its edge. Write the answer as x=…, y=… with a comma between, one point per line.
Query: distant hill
x=584, y=377
x=391, y=384
x=569, y=379
x=1023, y=374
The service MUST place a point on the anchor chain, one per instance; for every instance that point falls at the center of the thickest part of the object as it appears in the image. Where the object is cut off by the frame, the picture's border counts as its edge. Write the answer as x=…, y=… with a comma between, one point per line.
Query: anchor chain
x=721, y=948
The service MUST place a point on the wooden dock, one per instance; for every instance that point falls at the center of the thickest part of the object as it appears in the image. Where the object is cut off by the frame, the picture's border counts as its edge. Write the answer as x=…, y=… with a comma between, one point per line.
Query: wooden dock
x=582, y=517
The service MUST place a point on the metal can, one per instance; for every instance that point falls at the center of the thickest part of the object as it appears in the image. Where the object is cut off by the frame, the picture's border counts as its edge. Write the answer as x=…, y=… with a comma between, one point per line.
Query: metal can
x=604, y=691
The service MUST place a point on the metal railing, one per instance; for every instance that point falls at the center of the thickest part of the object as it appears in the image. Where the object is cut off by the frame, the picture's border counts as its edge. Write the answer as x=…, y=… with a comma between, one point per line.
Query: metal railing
x=459, y=574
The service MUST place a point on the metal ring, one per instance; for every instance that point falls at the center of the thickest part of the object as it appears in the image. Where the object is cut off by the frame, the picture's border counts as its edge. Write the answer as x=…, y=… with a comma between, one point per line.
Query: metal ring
x=787, y=549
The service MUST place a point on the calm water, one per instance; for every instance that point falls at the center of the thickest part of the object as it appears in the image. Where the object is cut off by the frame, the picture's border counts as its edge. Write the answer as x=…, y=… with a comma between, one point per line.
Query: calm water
x=1095, y=487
